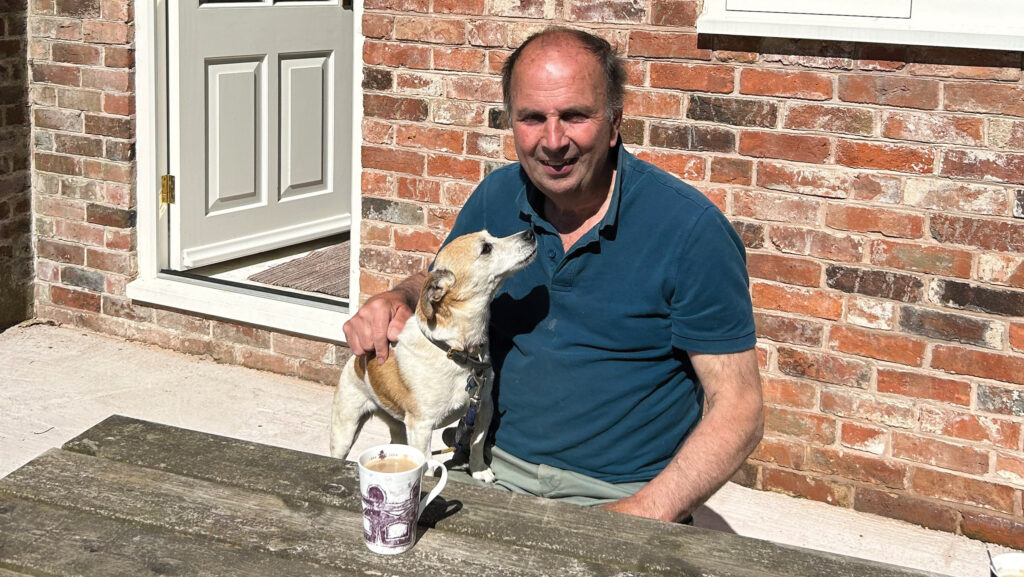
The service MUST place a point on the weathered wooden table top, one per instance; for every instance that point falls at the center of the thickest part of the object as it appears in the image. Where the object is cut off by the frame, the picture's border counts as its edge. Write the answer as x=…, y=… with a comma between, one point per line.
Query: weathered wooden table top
x=129, y=497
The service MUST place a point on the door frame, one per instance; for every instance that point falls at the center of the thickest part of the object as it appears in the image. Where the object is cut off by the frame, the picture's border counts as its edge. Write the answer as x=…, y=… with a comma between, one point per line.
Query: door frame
x=297, y=315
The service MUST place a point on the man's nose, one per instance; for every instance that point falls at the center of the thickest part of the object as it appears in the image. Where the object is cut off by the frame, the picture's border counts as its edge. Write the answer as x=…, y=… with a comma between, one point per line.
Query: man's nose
x=554, y=133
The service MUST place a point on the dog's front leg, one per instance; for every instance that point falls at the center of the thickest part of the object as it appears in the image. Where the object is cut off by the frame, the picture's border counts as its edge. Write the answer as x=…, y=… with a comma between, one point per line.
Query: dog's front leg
x=418, y=434
x=485, y=411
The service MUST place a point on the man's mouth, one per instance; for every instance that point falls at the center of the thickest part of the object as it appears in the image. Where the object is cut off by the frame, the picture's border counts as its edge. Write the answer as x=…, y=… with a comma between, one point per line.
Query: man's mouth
x=559, y=166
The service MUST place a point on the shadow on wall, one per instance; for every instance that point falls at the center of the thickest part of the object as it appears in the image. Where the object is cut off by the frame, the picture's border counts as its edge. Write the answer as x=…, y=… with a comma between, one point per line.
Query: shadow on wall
x=16, y=272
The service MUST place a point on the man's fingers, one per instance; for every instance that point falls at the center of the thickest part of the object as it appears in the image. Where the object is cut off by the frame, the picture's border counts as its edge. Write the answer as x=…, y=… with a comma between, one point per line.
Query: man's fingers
x=352, y=338
x=397, y=323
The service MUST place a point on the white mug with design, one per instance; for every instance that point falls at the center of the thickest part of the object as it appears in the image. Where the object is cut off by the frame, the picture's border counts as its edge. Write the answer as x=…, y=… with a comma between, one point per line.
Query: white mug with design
x=389, y=482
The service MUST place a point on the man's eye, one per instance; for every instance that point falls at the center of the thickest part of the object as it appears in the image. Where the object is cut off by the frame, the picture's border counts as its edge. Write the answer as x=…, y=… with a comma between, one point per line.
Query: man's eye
x=486, y=248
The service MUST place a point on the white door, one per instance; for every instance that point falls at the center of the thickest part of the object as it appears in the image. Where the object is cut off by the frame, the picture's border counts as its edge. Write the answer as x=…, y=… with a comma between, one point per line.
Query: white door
x=259, y=124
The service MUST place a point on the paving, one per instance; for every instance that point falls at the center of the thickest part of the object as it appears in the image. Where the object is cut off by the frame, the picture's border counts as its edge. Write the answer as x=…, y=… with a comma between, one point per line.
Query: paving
x=56, y=382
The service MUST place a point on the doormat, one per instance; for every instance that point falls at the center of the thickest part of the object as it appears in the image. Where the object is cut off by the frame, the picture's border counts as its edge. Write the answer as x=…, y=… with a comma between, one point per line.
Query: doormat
x=323, y=271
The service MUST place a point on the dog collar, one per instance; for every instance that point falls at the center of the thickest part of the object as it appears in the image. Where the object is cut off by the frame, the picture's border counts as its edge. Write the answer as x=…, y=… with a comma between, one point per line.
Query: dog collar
x=477, y=363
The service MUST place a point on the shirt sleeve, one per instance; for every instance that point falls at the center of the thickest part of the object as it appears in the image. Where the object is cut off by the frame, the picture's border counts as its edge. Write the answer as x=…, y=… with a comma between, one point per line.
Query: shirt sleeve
x=711, y=309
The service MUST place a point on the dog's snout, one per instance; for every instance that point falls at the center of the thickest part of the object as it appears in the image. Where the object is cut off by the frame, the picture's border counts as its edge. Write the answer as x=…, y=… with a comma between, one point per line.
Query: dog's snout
x=528, y=235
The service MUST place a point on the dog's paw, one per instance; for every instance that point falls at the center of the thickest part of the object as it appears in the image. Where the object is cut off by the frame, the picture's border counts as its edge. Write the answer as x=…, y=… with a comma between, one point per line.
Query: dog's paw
x=487, y=476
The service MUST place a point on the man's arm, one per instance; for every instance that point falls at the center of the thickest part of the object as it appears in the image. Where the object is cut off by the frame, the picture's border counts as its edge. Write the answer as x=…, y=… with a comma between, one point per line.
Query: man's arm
x=382, y=317
x=725, y=437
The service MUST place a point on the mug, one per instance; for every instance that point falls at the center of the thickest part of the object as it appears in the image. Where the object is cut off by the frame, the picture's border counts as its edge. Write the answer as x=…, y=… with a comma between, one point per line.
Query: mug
x=391, y=498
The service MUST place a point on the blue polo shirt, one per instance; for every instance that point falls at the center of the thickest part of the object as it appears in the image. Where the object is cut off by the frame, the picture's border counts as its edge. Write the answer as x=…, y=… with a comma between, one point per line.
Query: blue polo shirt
x=589, y=346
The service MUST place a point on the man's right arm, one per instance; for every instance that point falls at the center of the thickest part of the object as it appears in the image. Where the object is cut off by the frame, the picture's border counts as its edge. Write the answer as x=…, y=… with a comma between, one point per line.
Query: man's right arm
x=381, y=318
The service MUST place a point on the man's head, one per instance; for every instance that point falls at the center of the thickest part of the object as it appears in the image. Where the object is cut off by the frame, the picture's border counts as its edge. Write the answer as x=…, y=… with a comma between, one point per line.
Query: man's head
x=563, y=92
x=603, y=52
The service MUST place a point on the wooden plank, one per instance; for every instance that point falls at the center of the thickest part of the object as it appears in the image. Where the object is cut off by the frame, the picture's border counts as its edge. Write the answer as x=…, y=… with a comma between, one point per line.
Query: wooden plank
x=590, y=534
x=265, y=522
x=46, y=539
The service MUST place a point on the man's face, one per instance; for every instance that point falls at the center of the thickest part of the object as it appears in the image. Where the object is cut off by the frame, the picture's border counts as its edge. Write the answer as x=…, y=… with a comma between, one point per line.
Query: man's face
x=562, y=133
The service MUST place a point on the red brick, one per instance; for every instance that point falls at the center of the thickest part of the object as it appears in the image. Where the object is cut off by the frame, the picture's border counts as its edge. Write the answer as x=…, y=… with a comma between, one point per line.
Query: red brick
x=473, y=88
x=418, y=241
x=390, y=262
x=393, y=160
x=460, y=59
x=882, y=346
x=76, y=53
x=876, y=188
x=965, y=361
x=459, y=6
x=656, y=104
x=631, y=11
x=1017, y=336
x=374, y=233
x=488, y=145
x=454, y=167
x=864, y=437
x=899, y=158
x=798, y=485
x=64, y=75
x=433, y=30
x=933, y=128
x=118, y=57
x=420, y=190
x=804, y=301
x=1005, y=133
x=119, y=104
x=403, y=5
x=267, y=361
x=984, y=165
x=922, y=386
x=959, y=489
x=731, y=170
x=383, y=106
x=377, y=131
x=809, y=427
x=643, y=43
x=378, y=25
x=75, y=299
x=985, y=97
x=948, y=196
x=776, y=207
x=417, y=136
x=984, y=233
x=59, y=164
x=319, y=372
x=119, y=10
x=1010, y=468
x=60, y=251
x=921, y=258
x=114, y=126
x=107, y=79
x=697, y=78
x=786, y=83
x=811, y=242
x=778, y=452
x=303, y=348
x=456, y=193
x=825, y=368
x=785, y=269
x=524, y=9
x=875, y=219
x=906, y=508
x=832, y=119
x=939, y=454
x=97, y=32
x=889, y=90
x=813, y=181
x=396, y=55
x=856, y=467
x=686, y=166
x=486, y=33
x=77, y=8
x=789, y=393
x=994, y=529
x=795, y=147
x=847, y=404
x=117, y=262
x=460, y=113
x=676, y=13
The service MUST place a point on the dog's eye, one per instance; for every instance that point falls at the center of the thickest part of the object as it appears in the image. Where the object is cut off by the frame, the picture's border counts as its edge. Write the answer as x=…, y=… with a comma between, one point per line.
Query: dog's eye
x=485, y=248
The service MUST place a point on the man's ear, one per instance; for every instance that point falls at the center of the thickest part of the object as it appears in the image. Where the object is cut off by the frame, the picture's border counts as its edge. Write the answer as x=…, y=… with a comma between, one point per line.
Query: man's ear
x=435, y=289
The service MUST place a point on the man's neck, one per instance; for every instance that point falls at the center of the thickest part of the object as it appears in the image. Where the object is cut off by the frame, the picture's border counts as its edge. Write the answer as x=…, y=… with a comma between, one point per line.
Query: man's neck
x=572, y=218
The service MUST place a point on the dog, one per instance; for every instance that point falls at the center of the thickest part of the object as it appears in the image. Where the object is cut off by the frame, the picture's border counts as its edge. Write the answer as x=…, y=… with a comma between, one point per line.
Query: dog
x=440, y=366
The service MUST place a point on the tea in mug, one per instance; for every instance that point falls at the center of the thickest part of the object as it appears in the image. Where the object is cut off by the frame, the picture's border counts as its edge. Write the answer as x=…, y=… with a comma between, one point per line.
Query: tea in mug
x=397, y=464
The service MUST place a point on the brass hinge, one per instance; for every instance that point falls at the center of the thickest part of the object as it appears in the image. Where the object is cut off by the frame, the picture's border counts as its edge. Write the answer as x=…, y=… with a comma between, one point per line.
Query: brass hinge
x=167, y=189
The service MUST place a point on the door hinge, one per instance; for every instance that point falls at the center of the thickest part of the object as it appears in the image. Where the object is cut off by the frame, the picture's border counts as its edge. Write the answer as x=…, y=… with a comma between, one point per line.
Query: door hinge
x=167, y=189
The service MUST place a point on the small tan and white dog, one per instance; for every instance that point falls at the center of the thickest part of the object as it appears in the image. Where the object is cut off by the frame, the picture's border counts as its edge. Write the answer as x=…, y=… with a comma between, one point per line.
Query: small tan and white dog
x=440, y=365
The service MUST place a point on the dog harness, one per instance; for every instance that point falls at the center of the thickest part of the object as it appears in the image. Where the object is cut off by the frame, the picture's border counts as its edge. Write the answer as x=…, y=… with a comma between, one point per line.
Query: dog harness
x=478, y=367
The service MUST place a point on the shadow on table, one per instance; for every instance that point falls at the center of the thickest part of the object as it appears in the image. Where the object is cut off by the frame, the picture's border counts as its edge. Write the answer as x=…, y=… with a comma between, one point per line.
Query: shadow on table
x=438, y=510
x=707, y=518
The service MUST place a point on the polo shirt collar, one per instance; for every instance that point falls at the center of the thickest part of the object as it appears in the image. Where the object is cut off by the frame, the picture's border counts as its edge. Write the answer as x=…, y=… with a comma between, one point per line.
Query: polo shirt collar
x=530, y=200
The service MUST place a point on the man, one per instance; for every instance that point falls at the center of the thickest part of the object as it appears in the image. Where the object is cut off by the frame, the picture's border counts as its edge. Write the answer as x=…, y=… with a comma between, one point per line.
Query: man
x=635, y=312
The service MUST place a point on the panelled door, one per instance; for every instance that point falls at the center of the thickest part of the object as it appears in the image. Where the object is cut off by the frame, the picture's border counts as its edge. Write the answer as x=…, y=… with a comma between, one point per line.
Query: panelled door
x=259, y=125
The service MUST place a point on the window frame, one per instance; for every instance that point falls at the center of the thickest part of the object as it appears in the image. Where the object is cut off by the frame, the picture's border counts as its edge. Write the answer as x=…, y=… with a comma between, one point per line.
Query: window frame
x=984, y=24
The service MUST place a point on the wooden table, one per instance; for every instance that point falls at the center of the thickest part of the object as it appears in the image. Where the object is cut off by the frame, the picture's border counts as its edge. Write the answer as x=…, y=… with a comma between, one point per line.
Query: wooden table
x=129, y=497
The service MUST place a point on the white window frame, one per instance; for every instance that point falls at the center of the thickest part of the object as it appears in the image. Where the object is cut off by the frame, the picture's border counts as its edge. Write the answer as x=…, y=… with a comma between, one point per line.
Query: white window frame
x=987, y=24
x=289, y=314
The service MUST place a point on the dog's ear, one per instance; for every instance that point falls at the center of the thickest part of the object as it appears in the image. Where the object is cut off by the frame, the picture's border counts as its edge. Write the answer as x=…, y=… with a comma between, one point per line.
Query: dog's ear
x=437, y=286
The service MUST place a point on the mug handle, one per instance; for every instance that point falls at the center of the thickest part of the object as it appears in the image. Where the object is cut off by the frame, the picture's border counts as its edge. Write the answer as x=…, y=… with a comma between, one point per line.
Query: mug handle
x=433, y=465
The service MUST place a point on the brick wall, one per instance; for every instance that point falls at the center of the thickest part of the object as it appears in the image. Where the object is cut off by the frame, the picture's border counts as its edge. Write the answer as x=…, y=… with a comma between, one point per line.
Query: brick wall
x=879, y=190
x=15, y=197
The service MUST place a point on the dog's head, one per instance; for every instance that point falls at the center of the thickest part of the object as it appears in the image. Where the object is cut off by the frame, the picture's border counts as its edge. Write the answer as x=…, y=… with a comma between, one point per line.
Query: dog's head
x=468, y=271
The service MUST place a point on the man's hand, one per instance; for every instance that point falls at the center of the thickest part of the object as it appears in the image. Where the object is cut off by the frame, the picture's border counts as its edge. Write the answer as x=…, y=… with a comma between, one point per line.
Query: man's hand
x=379, y=321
